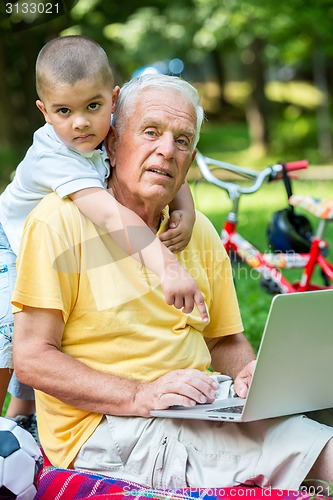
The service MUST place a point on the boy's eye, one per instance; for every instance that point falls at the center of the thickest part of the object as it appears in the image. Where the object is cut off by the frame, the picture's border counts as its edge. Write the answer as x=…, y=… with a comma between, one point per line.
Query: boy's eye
x=93, y=106
x=63, y=111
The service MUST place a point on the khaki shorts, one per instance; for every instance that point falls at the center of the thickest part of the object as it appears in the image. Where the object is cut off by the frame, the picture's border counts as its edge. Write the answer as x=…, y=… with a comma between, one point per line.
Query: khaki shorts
x=174, y=454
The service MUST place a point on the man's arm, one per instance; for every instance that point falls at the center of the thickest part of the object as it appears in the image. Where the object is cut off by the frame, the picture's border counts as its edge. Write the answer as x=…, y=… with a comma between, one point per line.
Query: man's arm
x=233, y=356
x=40, y=363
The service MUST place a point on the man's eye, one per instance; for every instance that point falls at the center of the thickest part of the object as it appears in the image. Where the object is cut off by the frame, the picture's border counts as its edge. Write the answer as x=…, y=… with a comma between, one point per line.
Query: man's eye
x=151, y=133
x=182, y=142
x=93, y=106
x=63, y=111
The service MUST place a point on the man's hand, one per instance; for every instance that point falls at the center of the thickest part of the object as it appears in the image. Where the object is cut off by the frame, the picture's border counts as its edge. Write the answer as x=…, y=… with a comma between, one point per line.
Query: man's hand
x=243, y=379
x=179, y=387
x=177, y=237
x=181, y=290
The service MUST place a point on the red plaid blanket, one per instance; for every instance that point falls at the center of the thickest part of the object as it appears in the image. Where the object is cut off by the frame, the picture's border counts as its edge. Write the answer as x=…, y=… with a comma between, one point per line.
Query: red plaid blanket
x=65, y=484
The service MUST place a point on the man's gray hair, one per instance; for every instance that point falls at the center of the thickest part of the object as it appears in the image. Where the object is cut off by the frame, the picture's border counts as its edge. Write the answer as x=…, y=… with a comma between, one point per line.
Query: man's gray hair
x=131, y=90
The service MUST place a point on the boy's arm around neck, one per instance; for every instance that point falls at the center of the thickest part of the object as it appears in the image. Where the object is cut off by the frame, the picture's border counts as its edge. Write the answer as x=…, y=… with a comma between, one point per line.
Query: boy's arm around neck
x=104, y=210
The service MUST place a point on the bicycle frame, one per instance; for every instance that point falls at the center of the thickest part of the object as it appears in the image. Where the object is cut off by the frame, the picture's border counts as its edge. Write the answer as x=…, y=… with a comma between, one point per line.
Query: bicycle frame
x=268, y=265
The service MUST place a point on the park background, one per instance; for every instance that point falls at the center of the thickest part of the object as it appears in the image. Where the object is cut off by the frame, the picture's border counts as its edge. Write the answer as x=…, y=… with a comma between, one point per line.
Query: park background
x=264, y=71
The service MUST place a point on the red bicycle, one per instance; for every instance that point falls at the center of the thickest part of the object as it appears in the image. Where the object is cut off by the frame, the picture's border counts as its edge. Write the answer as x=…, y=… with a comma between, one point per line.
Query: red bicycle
x=293, y=243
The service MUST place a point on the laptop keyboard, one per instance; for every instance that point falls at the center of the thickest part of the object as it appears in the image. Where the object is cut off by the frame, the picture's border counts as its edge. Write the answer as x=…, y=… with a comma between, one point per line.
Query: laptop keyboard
x=228, y=409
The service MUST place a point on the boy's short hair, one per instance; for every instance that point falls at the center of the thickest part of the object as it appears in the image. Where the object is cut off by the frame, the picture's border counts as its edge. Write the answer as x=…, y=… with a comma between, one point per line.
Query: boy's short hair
x=69, y=59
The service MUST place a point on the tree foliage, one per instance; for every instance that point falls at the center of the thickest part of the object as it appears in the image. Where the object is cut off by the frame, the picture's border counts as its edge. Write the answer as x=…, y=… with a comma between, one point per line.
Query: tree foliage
x=249, y=41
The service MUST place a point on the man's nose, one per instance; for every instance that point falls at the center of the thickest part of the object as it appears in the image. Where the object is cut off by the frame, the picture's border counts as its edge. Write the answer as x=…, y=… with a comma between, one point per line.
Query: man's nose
x=80, y=122
x=166, y=146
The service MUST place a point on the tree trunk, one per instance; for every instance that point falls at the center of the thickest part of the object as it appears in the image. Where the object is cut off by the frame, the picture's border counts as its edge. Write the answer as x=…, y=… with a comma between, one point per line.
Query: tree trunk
x=323, y=113
x=257, y=105
x=220, y=75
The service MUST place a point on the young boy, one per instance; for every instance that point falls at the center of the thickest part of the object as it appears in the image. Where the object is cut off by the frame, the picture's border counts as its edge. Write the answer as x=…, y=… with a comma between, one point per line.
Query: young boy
x=74, y=83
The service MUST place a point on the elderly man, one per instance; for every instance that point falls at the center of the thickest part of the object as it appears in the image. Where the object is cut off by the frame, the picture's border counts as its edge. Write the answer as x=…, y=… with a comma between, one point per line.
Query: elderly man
x=95, y=338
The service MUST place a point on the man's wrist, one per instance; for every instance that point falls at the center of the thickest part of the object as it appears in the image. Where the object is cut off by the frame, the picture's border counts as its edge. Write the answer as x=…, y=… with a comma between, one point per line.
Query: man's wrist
x=141, y=407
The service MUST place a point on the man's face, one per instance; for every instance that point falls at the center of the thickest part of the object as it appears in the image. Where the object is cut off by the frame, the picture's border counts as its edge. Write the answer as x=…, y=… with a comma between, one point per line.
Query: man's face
x=155, y=147
x=80, y=114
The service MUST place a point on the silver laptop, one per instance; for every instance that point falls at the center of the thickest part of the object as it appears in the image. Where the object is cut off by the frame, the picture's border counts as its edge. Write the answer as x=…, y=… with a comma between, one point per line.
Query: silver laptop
x=293, y=373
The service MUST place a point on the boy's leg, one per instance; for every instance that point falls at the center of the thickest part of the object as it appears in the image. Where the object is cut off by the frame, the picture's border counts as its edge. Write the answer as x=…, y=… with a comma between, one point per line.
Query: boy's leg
x=22, y=398
x=19, y=406
x=7, y=281
x=22, y=406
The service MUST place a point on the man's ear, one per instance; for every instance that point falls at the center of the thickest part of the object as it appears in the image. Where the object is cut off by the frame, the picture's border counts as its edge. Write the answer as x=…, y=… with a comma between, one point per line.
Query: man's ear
x=41, y=107
x=110, y=142
x=194, y=154
x=115, y=95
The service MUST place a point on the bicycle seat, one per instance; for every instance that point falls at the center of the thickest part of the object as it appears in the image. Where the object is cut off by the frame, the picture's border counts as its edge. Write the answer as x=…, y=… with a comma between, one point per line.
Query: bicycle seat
x=321, y=208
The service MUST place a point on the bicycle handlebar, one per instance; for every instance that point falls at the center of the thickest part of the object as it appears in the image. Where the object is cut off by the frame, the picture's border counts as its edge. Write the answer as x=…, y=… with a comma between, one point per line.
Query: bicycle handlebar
x=268, y=174
x=297, y=165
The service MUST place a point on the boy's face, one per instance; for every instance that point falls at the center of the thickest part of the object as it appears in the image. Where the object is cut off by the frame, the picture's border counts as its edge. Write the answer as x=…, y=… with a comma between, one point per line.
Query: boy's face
x=80, y=114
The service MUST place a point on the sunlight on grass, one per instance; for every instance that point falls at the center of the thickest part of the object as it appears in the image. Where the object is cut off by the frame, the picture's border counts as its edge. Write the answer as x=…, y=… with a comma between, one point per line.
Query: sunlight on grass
x=291, y=140
x=299, y=93
x=302, y=94
x=237, y=93
x=293, y=125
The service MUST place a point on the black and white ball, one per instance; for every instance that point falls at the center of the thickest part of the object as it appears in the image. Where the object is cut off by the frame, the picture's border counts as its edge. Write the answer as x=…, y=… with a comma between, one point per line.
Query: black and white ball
x=20, y=460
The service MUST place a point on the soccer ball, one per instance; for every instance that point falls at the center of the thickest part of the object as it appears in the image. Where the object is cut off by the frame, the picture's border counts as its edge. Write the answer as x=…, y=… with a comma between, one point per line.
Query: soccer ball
x=20, y=460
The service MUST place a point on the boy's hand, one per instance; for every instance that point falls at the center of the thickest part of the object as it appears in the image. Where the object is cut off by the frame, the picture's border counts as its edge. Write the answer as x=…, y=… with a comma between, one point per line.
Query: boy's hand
x=179, y=233
x=181, y=290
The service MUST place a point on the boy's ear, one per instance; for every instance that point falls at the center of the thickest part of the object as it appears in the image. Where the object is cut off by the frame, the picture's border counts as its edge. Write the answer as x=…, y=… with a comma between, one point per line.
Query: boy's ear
x=110, y=142
x=41, y=107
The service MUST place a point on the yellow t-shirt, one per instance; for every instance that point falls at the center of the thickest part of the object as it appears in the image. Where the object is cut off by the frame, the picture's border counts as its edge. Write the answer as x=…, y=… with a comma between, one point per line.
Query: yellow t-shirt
x=116, y=317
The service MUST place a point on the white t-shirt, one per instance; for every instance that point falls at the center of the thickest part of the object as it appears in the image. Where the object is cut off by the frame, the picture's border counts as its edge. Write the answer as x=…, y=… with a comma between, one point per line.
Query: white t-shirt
x=48, y=166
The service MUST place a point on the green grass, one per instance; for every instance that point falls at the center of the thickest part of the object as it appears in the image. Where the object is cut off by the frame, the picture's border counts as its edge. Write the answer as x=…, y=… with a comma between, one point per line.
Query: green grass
x=254, y=214
x=291, y=139
x=6, y=403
